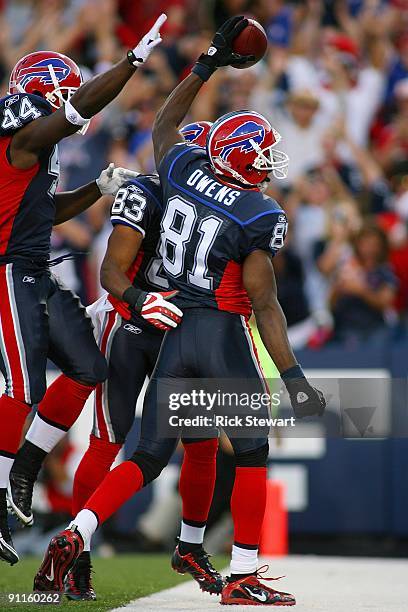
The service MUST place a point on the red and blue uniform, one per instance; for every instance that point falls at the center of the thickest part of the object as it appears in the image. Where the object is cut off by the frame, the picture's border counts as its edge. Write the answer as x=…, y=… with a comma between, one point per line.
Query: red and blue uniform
x=27, y=208
x=130, y=344
x=39, y=318
x=138, y=205
x=209, y=228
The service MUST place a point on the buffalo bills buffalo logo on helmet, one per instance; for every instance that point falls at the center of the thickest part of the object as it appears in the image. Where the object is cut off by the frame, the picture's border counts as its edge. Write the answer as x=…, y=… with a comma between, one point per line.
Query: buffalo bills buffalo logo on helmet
x=240, y=139
x=41, y=71
x=192, y=132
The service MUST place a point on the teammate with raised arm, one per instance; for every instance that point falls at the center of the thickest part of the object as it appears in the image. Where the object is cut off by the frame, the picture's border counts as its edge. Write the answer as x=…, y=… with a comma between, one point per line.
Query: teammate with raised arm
x=131, y=345
x=38, y=317
x=218, y=236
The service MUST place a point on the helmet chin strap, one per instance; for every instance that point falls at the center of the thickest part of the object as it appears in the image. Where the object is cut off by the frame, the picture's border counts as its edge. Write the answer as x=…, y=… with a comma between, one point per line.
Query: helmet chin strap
x=236, y=175
x=277, y=164
x=58, y=93
x=55, y=82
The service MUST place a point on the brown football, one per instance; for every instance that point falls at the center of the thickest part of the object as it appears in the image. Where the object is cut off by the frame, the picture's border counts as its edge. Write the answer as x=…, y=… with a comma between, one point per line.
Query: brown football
x=251, y=41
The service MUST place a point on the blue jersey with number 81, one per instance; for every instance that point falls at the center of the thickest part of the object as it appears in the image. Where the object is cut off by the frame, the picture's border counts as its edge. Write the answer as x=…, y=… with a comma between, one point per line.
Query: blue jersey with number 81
x=209, y=228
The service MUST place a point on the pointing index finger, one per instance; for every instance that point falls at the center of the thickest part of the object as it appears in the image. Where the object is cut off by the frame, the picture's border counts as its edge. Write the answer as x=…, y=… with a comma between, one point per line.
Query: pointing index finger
x=158, y=24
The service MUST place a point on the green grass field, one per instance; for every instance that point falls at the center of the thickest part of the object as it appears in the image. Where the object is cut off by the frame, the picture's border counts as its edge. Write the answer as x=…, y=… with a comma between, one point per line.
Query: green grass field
x=117, y=581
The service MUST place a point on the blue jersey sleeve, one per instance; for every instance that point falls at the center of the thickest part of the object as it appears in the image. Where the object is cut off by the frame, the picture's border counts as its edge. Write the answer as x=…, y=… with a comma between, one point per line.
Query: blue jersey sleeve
x=267, y=233
x=18, y=110
x=137, y=204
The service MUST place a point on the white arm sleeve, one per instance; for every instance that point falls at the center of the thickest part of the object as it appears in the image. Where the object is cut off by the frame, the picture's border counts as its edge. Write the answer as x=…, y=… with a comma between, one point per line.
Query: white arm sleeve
x=73, y=116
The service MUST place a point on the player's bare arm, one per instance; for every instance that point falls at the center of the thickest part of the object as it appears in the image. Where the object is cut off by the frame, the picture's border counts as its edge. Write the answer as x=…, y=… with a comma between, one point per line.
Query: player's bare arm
x=172, y=113
x=165, y=128
x=71, y=203
x=260, y=284
x=123, y=247
x=68, y=204
x=86, y=102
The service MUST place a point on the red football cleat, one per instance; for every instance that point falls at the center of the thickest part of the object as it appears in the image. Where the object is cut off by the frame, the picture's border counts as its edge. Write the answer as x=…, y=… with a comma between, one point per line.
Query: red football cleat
x=199, y=566
x=250, y=591
x=61, y=554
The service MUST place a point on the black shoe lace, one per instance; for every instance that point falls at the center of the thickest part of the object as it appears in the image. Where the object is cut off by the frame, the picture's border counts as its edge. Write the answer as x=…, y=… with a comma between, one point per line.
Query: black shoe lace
x=203, y=559
x=82, y=572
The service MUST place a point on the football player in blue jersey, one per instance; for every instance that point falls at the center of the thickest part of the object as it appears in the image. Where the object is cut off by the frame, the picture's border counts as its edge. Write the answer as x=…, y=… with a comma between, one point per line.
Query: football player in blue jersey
x=131, y=347
x=39, y=318
x=219, y=233
x=130, y=344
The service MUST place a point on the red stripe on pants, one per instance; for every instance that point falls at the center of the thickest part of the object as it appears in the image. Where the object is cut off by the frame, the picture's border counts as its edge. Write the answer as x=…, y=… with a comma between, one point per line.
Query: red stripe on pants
x=100, y=417
x=15, y=386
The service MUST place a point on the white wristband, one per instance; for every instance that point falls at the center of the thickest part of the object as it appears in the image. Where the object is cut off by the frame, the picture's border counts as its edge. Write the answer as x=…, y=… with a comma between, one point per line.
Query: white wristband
x=73, y=116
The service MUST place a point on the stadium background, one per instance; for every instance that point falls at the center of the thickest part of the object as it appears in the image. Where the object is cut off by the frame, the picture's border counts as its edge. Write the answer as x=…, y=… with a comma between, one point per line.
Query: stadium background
x=335, y=84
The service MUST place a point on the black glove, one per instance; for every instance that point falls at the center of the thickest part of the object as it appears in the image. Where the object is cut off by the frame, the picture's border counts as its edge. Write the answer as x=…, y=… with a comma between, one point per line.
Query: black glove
x=305, y=399
x=220, y=52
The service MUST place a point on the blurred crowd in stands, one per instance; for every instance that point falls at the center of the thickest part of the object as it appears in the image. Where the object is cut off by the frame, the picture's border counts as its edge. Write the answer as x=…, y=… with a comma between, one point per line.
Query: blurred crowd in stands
x=334, y=83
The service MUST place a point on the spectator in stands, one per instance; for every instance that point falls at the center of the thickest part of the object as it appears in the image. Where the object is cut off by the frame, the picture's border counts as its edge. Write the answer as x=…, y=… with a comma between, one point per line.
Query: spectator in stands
x=278, y=18
x=302, y=129
x=364, y=290
x=392, y=139
x=334, y=251
x=309, y=204
x=349, y=87
x=291, y=295
x=220, y=10
x=398, y=69
x=331, y=253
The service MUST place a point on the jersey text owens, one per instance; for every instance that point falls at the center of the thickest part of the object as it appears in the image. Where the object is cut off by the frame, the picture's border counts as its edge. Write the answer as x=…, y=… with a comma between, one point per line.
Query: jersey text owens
x=211, y=188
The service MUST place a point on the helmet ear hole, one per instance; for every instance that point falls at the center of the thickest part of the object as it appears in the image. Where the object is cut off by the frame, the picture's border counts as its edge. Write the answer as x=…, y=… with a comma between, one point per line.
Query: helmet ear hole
x=36, y=92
